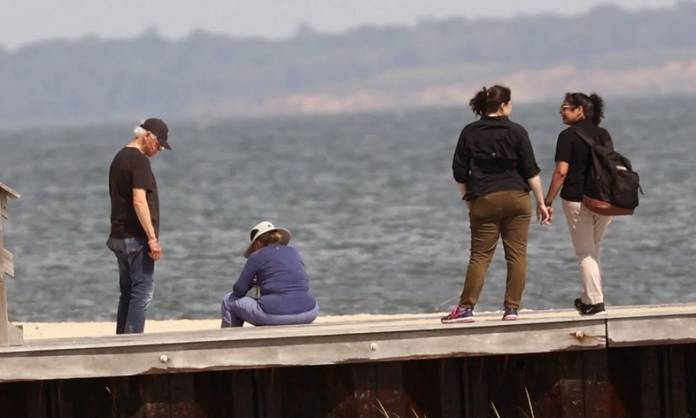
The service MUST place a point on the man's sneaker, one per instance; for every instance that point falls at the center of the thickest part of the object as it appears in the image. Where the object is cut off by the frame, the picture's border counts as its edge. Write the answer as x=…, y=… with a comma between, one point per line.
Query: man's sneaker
x=586, y=309
x=459, y=314
x=510, y=314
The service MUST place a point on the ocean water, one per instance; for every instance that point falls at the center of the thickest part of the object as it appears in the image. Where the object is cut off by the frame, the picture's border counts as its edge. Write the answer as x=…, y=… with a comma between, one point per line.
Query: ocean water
x=369, y=199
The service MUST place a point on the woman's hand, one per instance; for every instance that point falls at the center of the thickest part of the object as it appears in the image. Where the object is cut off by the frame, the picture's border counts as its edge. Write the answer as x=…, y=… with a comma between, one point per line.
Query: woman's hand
x=544, y=214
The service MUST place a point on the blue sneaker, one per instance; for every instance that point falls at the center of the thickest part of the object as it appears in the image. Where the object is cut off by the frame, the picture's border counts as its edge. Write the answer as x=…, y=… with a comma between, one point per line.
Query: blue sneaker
x=510, y=314
x=458, y=314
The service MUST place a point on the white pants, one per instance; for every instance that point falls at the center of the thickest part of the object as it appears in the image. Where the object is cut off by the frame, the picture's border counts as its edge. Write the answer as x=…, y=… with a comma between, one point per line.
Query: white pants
x=586, y=231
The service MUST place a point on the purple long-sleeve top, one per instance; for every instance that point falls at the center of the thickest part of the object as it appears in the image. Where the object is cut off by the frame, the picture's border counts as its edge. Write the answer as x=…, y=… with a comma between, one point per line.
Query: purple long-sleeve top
x=281, y=276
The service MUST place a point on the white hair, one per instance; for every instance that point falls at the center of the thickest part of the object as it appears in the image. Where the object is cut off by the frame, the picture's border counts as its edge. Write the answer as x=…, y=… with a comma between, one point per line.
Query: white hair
x=139, y=130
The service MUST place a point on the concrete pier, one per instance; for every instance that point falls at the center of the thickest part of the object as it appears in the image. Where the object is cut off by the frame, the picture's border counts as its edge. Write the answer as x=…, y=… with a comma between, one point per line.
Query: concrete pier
x=632, y=362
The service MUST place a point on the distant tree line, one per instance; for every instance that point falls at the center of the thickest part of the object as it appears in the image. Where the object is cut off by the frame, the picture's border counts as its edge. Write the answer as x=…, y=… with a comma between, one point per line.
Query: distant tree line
x=95, y=78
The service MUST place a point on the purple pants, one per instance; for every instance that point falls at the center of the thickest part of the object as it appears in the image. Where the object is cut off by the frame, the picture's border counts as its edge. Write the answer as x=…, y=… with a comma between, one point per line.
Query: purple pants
x=235, y=312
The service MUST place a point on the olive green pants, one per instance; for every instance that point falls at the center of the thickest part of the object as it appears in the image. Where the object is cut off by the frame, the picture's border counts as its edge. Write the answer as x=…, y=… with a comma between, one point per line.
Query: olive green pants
x=495, y=215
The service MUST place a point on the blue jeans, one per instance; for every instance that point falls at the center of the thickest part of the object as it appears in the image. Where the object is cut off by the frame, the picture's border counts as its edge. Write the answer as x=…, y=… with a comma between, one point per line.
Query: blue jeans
x=136, y=269
x=237, y=311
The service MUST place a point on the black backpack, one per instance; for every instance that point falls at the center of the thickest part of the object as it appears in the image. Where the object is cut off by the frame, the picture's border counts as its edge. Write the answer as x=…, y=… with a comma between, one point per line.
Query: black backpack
x=611, y=185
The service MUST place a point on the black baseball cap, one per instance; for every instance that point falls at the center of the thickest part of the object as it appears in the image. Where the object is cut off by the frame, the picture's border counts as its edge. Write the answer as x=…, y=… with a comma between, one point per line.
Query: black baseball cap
x=159, y=129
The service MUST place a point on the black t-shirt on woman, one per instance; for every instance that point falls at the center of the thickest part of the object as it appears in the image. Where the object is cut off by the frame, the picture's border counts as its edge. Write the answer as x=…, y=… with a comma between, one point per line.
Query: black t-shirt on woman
x=494, y=154
x=573, y=150
x=130, y=170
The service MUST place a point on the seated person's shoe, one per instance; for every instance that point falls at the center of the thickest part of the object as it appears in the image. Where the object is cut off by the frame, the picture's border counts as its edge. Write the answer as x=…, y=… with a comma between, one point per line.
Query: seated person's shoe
x=590, y=309
x=459, y=314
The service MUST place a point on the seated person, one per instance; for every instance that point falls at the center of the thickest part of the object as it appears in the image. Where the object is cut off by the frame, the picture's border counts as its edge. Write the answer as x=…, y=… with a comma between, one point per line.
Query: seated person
x=279, y=272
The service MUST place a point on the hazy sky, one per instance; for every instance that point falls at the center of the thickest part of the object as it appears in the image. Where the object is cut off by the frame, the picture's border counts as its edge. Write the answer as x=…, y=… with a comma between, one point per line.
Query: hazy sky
x=25, y=21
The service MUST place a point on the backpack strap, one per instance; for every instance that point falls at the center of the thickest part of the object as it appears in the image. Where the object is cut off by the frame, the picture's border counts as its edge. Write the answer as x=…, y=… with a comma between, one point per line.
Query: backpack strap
x=594, y=162
x=586, y=138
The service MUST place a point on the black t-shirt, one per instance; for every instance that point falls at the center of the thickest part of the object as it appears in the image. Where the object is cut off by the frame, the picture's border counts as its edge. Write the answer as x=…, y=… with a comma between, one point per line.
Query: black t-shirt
x=494, y=154
x=130, y=170
x=573, y=150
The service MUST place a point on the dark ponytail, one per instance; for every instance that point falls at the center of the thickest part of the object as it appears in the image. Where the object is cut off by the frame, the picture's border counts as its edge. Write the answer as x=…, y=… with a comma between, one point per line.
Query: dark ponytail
x=598, y=104
x=489, y=100
x=592, y=105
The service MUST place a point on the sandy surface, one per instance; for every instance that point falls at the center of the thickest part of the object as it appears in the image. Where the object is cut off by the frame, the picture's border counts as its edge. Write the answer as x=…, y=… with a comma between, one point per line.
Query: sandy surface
x=35, y=330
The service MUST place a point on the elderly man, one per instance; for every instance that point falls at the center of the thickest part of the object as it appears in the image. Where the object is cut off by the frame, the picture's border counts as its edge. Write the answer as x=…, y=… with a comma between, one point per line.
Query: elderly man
x=135, y=222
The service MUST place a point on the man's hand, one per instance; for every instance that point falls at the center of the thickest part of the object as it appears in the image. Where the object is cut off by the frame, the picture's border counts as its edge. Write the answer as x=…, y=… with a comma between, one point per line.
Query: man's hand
x=155, y=252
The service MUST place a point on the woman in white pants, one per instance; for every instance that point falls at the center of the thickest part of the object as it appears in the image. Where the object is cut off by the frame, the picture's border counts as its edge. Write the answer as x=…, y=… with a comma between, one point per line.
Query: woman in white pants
x=573, y=158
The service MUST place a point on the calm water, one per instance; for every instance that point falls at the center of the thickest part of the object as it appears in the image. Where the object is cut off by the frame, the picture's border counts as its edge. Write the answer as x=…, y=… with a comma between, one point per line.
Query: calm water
x=369, y=198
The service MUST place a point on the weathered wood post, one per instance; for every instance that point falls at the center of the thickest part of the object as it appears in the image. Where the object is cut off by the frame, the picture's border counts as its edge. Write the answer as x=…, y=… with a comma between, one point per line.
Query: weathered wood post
x=9, y=334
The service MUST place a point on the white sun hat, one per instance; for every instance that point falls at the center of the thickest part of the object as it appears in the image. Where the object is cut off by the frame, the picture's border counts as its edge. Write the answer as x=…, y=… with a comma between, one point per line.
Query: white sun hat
x=260, y=229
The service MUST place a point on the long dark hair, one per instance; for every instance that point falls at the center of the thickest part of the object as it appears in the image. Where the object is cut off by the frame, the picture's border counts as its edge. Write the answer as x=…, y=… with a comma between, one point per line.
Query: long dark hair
x=489, y=100
x=592, y=105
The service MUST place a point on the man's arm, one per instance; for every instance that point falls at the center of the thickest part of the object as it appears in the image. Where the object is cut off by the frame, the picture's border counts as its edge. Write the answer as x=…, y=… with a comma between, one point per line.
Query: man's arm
x=142, y=211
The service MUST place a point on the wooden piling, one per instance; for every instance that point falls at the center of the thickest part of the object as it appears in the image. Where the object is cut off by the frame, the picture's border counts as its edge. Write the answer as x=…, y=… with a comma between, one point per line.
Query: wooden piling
x=9, y=334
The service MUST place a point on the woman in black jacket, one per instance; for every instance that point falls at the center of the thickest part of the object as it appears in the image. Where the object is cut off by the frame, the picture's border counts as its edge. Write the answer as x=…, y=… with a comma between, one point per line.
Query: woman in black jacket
x=495, y=168
x=583, y=112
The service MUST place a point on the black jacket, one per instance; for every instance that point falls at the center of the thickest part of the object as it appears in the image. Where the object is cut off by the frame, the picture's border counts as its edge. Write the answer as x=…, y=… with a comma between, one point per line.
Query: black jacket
x=494, y=154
